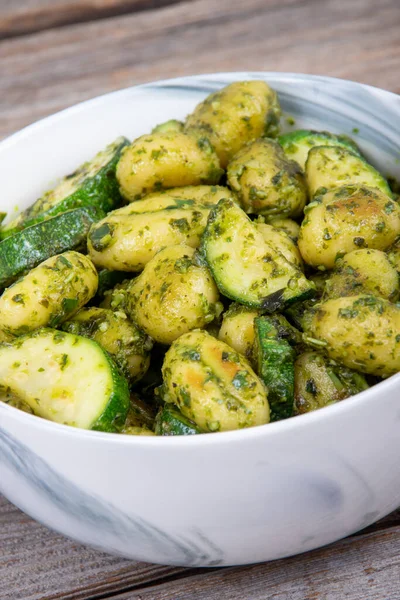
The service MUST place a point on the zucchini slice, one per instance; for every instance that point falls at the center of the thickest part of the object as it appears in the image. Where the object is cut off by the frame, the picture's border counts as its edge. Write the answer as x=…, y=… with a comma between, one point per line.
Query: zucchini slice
x=246, y=268
x=35, y=244
x=275, y=366
x=67, y=379
x=92, y=184
x=170, y=421
x=329, y=167
x=297, y=144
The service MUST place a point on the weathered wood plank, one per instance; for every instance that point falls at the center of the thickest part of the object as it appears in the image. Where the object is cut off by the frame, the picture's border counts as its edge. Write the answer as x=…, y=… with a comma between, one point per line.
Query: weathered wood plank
x=362, y=568
x=38, y=564
x=28, y=16
x=43, y=73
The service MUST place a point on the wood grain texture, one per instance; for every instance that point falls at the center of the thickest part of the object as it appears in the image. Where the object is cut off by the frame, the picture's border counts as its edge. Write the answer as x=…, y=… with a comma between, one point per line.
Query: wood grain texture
x=365, y=568
x=45, y=72
x=38, y=564
x=26, y=16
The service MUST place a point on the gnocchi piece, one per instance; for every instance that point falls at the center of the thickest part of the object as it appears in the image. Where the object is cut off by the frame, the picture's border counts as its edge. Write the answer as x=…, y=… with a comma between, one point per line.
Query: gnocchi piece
x=281, y=242
x=290, y=227
x=123, y=242
x=329, y=167
x=173, y=295
x=364, y=272
x=49, y=294
x=361, y=332
x=213, y=385
x=165, y=160
x=186, y=197
x=240, y=112
x=346, y=219
x=319, y=382
x=266, y=181
x=394, y=255
x=127, y=345
x=237, y=329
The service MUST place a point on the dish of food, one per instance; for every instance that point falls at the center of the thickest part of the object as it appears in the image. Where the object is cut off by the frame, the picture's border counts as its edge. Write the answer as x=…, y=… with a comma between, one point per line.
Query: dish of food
x=259, y=270
x=225, y=497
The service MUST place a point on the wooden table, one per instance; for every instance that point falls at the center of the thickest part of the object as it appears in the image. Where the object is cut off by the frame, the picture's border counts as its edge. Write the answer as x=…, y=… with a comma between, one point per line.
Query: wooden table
x=54, y=53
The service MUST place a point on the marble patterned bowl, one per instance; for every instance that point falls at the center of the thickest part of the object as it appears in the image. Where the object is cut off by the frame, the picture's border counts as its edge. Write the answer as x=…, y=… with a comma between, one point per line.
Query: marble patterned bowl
x=229, y=498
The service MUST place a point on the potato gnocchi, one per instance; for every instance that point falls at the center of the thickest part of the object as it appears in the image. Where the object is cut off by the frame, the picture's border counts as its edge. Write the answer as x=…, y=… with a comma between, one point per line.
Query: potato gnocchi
x=211, y=275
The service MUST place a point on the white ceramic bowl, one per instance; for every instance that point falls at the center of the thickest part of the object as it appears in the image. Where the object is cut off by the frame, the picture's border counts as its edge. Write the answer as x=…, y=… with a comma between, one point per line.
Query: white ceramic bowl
x=223, y=499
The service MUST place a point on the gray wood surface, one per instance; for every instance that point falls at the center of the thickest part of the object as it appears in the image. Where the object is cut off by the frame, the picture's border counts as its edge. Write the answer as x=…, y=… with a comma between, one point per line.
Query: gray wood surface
x=19, y=17
x=55, y=53
x=47, y=71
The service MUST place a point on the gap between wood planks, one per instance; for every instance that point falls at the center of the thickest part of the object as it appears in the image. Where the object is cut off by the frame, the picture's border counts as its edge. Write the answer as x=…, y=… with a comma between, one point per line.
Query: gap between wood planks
x=27, y=16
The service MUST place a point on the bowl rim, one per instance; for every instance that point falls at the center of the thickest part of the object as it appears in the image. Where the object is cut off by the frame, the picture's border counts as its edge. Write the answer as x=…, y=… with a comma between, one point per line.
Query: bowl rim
x=263, y=431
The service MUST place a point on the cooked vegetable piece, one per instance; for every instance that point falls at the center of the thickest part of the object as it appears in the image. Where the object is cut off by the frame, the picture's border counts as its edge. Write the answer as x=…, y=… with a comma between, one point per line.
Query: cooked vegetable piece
x=127, y=345
x=240, y=112
x=274, y=358
x=28, y=248
x=128, y=242
x=361, y=332
x=137, y=431
x=364, y=272
x=185, y=197
x=140, y=414
x=245, y=267
x=346, y=219
x=266, y=181
x=11, y=399
x=281, y=242
x=329, y=167
x=290, y=227
x=237, y=329
x=107, y=281
x=173, y=295
x=49, y=294
x=297, y=144
x=394, y=255
x=67, y=379
x=213, y=385
x=171, y=125
x=92, y=184
x=164, y=160
x=170, y=421
x=117, y=296
x=319, y=382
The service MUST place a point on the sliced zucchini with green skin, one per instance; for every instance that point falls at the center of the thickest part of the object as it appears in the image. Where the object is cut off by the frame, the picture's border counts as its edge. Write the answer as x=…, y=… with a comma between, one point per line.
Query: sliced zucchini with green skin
x=170, y=421
x=329, y=167
x=67, y=379
x=92, y=184
x=28, y=248
x=171, y=125
x=245, y=267
x=275, y=365
x=297, y=144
